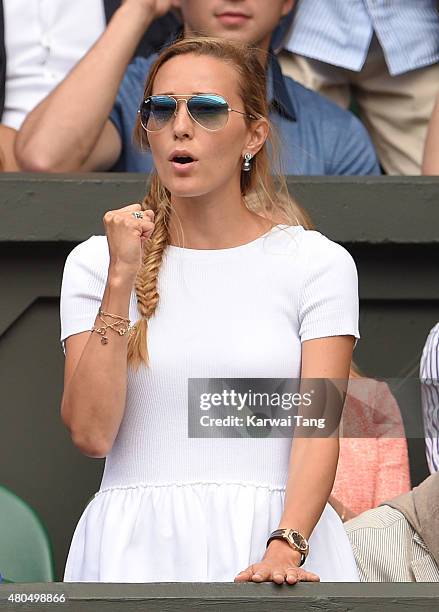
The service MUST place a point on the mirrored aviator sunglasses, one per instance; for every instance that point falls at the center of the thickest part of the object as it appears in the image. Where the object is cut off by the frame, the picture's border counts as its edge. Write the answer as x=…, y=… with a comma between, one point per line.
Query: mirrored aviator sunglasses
x=210, y=111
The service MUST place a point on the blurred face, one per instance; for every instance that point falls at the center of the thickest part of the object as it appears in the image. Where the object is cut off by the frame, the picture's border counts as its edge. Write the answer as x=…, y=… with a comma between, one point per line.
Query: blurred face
x=190, y=160
x=249, y=21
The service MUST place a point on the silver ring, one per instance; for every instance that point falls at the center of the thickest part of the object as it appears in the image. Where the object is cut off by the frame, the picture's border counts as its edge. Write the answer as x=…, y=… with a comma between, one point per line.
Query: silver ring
x=138, y=214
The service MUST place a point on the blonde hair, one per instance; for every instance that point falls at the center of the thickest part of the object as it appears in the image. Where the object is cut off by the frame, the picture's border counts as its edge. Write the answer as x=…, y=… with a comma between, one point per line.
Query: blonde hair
x=264, y=193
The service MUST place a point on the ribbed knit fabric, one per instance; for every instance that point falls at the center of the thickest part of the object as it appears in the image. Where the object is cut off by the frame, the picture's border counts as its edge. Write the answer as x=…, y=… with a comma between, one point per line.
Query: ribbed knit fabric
x=240, y=312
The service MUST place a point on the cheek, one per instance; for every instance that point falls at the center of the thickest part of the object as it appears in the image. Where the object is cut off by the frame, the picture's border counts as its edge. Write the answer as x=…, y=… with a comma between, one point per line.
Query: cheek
x=224, y=151
x=158, y=151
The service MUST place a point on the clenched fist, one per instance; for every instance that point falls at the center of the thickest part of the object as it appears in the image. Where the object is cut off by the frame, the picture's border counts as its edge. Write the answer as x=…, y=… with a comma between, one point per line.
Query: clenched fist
x=126, y=236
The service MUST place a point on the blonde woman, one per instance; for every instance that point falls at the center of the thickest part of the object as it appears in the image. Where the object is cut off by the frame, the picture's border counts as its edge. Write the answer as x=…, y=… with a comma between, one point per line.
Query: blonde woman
x=218, y=281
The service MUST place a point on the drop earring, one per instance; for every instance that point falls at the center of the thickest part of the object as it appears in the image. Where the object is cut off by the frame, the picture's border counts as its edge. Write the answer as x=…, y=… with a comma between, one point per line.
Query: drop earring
x=246, y=166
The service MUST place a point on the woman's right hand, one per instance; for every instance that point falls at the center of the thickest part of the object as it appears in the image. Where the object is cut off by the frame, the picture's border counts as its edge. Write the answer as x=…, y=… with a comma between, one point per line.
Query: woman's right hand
x=126, y=237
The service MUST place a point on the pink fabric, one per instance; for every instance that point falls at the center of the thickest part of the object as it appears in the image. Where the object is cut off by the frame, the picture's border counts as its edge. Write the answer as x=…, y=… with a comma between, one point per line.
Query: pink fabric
x=375, y=467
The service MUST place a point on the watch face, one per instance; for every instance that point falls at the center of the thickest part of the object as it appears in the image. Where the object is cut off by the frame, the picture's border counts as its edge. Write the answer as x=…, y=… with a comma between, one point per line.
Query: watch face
x=298, y=540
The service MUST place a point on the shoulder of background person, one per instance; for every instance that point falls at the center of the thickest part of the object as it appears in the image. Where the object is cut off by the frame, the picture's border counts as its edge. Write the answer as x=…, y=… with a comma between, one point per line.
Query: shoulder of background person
x=309, y=101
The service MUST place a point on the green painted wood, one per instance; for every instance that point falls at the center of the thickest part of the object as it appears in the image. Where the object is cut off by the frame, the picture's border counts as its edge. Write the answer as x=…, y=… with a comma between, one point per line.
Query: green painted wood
x=228, y=597
x=371, y=210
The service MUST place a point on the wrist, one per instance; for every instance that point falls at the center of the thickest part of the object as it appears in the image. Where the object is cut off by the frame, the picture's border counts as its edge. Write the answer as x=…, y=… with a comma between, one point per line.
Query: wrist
x=121, y=276
x=283, y=548
x=135, y=13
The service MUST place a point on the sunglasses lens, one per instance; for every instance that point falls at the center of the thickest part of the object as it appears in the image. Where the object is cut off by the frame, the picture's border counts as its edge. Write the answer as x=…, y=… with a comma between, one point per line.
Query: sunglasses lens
x=212, y=112
x=156, y=112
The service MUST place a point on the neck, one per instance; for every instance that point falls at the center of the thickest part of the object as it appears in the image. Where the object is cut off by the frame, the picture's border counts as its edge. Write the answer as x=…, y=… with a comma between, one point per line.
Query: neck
x=218, y=220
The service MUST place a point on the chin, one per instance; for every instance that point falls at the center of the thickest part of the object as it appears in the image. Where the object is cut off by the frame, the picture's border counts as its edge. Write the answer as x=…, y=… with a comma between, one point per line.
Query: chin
x=185, y=189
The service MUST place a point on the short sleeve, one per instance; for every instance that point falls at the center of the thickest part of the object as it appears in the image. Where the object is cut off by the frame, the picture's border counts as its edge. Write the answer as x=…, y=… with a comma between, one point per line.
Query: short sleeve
x=83, y=286
x=329, y=304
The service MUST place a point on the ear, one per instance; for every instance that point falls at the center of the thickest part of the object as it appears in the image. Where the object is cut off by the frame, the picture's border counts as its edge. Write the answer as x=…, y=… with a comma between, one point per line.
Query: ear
x=288, y=5
x=258, y=134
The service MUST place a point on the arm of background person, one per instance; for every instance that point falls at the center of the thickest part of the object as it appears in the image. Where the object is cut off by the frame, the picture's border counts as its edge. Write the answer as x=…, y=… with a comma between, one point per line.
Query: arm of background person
x=393, y=477
x=430, y=163
x=8, y=162
x=69, y=130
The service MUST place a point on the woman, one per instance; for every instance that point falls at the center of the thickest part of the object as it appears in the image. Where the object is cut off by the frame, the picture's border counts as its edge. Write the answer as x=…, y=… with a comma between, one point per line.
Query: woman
x=219, y=281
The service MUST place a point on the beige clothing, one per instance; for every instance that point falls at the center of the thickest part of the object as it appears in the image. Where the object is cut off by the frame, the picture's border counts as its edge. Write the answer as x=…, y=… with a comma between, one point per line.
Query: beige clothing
x=398, y=541
x=395, y=109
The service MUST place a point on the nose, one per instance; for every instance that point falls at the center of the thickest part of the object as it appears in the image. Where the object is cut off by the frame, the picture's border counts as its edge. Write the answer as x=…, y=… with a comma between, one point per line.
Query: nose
x=182, y=124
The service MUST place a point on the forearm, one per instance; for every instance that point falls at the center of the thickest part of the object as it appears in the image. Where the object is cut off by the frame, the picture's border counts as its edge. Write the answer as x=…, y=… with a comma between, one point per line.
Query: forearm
x=94, y=399
x=61, y=132
x=7, y=159
x=312, y=468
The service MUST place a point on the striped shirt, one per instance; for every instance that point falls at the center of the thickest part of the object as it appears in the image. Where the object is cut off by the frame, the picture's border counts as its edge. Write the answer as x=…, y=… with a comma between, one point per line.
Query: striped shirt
x=388, y=549
x=429, y=375
x=339, y=32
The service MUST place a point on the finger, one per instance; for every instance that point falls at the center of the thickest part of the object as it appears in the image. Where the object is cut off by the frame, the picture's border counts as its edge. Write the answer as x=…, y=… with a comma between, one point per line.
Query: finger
x=278, y=576
x=130, y=207
x=261, y=573
x=149, y=213
x=292, y=576
x=245, y=575
x=308, y=576
x=146, y=228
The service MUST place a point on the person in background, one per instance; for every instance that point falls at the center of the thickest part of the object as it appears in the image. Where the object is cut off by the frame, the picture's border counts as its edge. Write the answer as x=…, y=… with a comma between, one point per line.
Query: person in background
x=65, y=134
x=398, y=541
x=385, y=54
x=429, y=375
x=36, y=53
x=430, y=162
x=373, y=463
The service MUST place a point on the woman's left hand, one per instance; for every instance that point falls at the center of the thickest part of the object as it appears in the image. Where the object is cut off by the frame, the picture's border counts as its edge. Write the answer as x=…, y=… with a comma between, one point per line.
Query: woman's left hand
x=280, y=563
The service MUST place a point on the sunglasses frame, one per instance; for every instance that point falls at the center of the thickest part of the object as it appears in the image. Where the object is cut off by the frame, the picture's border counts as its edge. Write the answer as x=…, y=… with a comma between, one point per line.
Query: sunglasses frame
x=186, y=98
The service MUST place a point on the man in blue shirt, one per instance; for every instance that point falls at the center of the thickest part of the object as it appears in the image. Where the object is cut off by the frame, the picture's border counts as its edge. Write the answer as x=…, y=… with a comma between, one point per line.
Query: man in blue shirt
x=75, y=128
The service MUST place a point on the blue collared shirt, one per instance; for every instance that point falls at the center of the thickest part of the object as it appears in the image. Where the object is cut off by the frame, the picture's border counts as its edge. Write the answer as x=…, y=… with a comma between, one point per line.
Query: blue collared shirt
x=316, y=136
x=339, y=32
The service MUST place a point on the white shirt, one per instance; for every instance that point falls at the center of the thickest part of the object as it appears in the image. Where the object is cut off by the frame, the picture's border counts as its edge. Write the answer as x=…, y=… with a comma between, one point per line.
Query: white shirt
x=44, y=39
x=339, y=32
x=237, y=312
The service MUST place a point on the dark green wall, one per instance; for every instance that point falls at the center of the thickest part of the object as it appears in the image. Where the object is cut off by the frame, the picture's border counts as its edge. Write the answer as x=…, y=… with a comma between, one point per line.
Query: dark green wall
x=390, y=226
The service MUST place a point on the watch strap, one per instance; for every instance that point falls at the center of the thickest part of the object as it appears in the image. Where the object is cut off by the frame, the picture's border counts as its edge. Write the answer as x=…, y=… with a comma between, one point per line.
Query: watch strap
x=279, y=534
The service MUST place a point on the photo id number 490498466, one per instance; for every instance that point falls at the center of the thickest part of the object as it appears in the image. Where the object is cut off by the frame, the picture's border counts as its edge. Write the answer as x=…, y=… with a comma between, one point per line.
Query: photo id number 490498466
x=38, y=598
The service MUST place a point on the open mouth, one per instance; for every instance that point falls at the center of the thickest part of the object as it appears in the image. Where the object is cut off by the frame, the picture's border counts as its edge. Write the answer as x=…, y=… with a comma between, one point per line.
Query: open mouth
x=182, y=160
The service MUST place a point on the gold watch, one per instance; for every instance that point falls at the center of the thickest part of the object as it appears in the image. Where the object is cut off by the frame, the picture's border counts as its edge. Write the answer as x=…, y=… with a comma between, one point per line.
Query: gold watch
x=294, y=539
